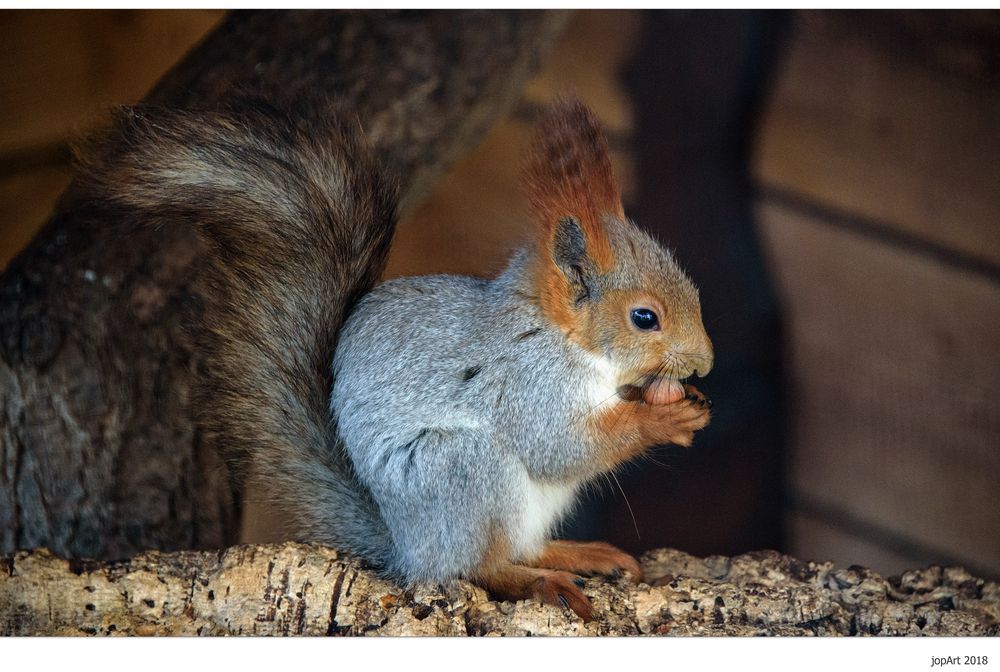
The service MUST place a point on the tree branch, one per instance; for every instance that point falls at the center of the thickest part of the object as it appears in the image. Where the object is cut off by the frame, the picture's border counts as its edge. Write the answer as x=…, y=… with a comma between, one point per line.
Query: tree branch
x=308, y=590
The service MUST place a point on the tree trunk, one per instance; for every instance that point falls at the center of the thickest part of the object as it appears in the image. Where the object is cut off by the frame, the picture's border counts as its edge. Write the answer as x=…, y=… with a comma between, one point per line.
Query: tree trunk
x=99, y=454
x=293, y=589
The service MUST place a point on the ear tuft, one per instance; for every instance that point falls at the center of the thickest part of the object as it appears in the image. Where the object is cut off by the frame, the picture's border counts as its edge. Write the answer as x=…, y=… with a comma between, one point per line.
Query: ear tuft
x=568, y=174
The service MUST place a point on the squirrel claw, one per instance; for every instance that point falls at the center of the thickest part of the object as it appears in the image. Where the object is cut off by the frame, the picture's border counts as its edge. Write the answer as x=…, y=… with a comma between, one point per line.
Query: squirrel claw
x=559, y=589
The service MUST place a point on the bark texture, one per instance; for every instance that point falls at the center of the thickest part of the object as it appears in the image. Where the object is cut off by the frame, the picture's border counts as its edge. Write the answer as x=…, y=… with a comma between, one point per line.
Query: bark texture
x=295, y=589
x=98, y=453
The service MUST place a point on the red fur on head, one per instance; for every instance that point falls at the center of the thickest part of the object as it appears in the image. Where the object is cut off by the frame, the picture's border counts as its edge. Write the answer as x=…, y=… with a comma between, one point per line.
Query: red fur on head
x=568, y=173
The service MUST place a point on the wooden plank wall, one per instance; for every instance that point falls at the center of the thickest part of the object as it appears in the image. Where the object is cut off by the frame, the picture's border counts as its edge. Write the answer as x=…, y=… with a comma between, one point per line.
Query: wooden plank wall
x=880, y=211
x=60, y=71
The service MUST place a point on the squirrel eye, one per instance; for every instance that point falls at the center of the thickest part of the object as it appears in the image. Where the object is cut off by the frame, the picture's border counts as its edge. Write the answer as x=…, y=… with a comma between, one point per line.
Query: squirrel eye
x=644, y=319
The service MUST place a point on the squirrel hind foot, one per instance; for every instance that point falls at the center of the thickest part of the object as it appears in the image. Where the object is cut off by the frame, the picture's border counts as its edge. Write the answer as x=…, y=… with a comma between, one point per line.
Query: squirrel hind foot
x=589, y=558
x=562, y=589
x=518, y=582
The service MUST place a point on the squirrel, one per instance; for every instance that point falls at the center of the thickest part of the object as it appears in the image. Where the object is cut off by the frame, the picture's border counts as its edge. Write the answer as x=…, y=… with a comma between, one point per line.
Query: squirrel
x=460, y=416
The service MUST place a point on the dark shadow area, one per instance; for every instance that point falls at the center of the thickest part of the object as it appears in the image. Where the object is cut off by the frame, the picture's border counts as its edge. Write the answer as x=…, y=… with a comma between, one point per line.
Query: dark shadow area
x=697, y=81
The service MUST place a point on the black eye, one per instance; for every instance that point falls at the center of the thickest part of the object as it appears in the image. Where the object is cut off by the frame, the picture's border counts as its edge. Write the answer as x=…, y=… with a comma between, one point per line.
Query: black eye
x=645, y=319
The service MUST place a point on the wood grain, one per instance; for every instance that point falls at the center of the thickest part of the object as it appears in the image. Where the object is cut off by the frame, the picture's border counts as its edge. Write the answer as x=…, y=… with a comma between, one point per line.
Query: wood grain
x=815, y=538
x=869, y=130
x=895, y=382
x=62, y=69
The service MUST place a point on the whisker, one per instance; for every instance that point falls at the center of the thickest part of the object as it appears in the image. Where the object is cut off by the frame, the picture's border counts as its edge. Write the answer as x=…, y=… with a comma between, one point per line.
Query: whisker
x=630, y=409
x=695, y=355
x=627, y=409
x=610, y=486
x=650, y=456
x=633, y=407
x=627, y=505
x=604, y=401
x=635, y=382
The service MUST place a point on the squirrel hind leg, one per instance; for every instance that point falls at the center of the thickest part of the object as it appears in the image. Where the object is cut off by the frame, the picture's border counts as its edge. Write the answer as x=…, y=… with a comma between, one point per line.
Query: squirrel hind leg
x=589, y=558
x=508, y=581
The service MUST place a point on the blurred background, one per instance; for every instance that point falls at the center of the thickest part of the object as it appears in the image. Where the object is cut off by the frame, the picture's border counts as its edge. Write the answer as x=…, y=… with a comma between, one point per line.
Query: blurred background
x=831, y=181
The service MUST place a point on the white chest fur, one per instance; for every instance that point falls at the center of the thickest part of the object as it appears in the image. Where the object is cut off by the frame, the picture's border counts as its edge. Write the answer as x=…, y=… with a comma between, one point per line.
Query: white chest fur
x=540, y=507
x=602, y=386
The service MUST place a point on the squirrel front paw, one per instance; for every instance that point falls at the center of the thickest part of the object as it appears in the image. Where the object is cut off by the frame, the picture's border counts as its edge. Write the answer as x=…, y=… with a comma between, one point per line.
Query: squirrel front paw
x=677, y=422
x=633, y=425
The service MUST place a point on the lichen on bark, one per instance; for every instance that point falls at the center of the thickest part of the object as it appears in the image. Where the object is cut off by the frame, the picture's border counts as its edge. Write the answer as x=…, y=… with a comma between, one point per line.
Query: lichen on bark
x=295, y=589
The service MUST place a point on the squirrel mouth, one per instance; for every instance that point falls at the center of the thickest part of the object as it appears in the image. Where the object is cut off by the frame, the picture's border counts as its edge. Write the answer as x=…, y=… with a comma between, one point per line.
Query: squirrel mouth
x=654, y=391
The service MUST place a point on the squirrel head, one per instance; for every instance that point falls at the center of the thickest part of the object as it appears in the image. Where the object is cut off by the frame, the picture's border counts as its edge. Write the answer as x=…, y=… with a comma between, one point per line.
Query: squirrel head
x=608, y=285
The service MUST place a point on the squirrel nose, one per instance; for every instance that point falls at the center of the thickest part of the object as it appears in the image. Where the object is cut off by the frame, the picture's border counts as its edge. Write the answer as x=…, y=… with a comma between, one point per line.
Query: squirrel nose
x=703, y=364
x=696, y=352
x=704, y=357
x=692, y=362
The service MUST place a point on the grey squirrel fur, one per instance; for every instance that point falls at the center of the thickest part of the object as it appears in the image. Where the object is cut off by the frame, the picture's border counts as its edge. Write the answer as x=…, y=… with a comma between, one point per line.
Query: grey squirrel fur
x=459, y=428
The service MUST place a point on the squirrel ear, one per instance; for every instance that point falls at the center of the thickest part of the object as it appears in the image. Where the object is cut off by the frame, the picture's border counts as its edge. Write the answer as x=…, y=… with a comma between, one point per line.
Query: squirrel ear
x=568, y=176
x=569, y=252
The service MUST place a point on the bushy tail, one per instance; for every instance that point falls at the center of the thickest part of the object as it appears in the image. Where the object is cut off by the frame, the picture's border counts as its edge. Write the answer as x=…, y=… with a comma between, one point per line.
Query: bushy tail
x=298, y=218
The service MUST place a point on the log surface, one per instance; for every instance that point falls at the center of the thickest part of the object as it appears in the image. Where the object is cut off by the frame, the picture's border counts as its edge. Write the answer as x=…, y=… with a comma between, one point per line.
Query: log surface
x=295, y=589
